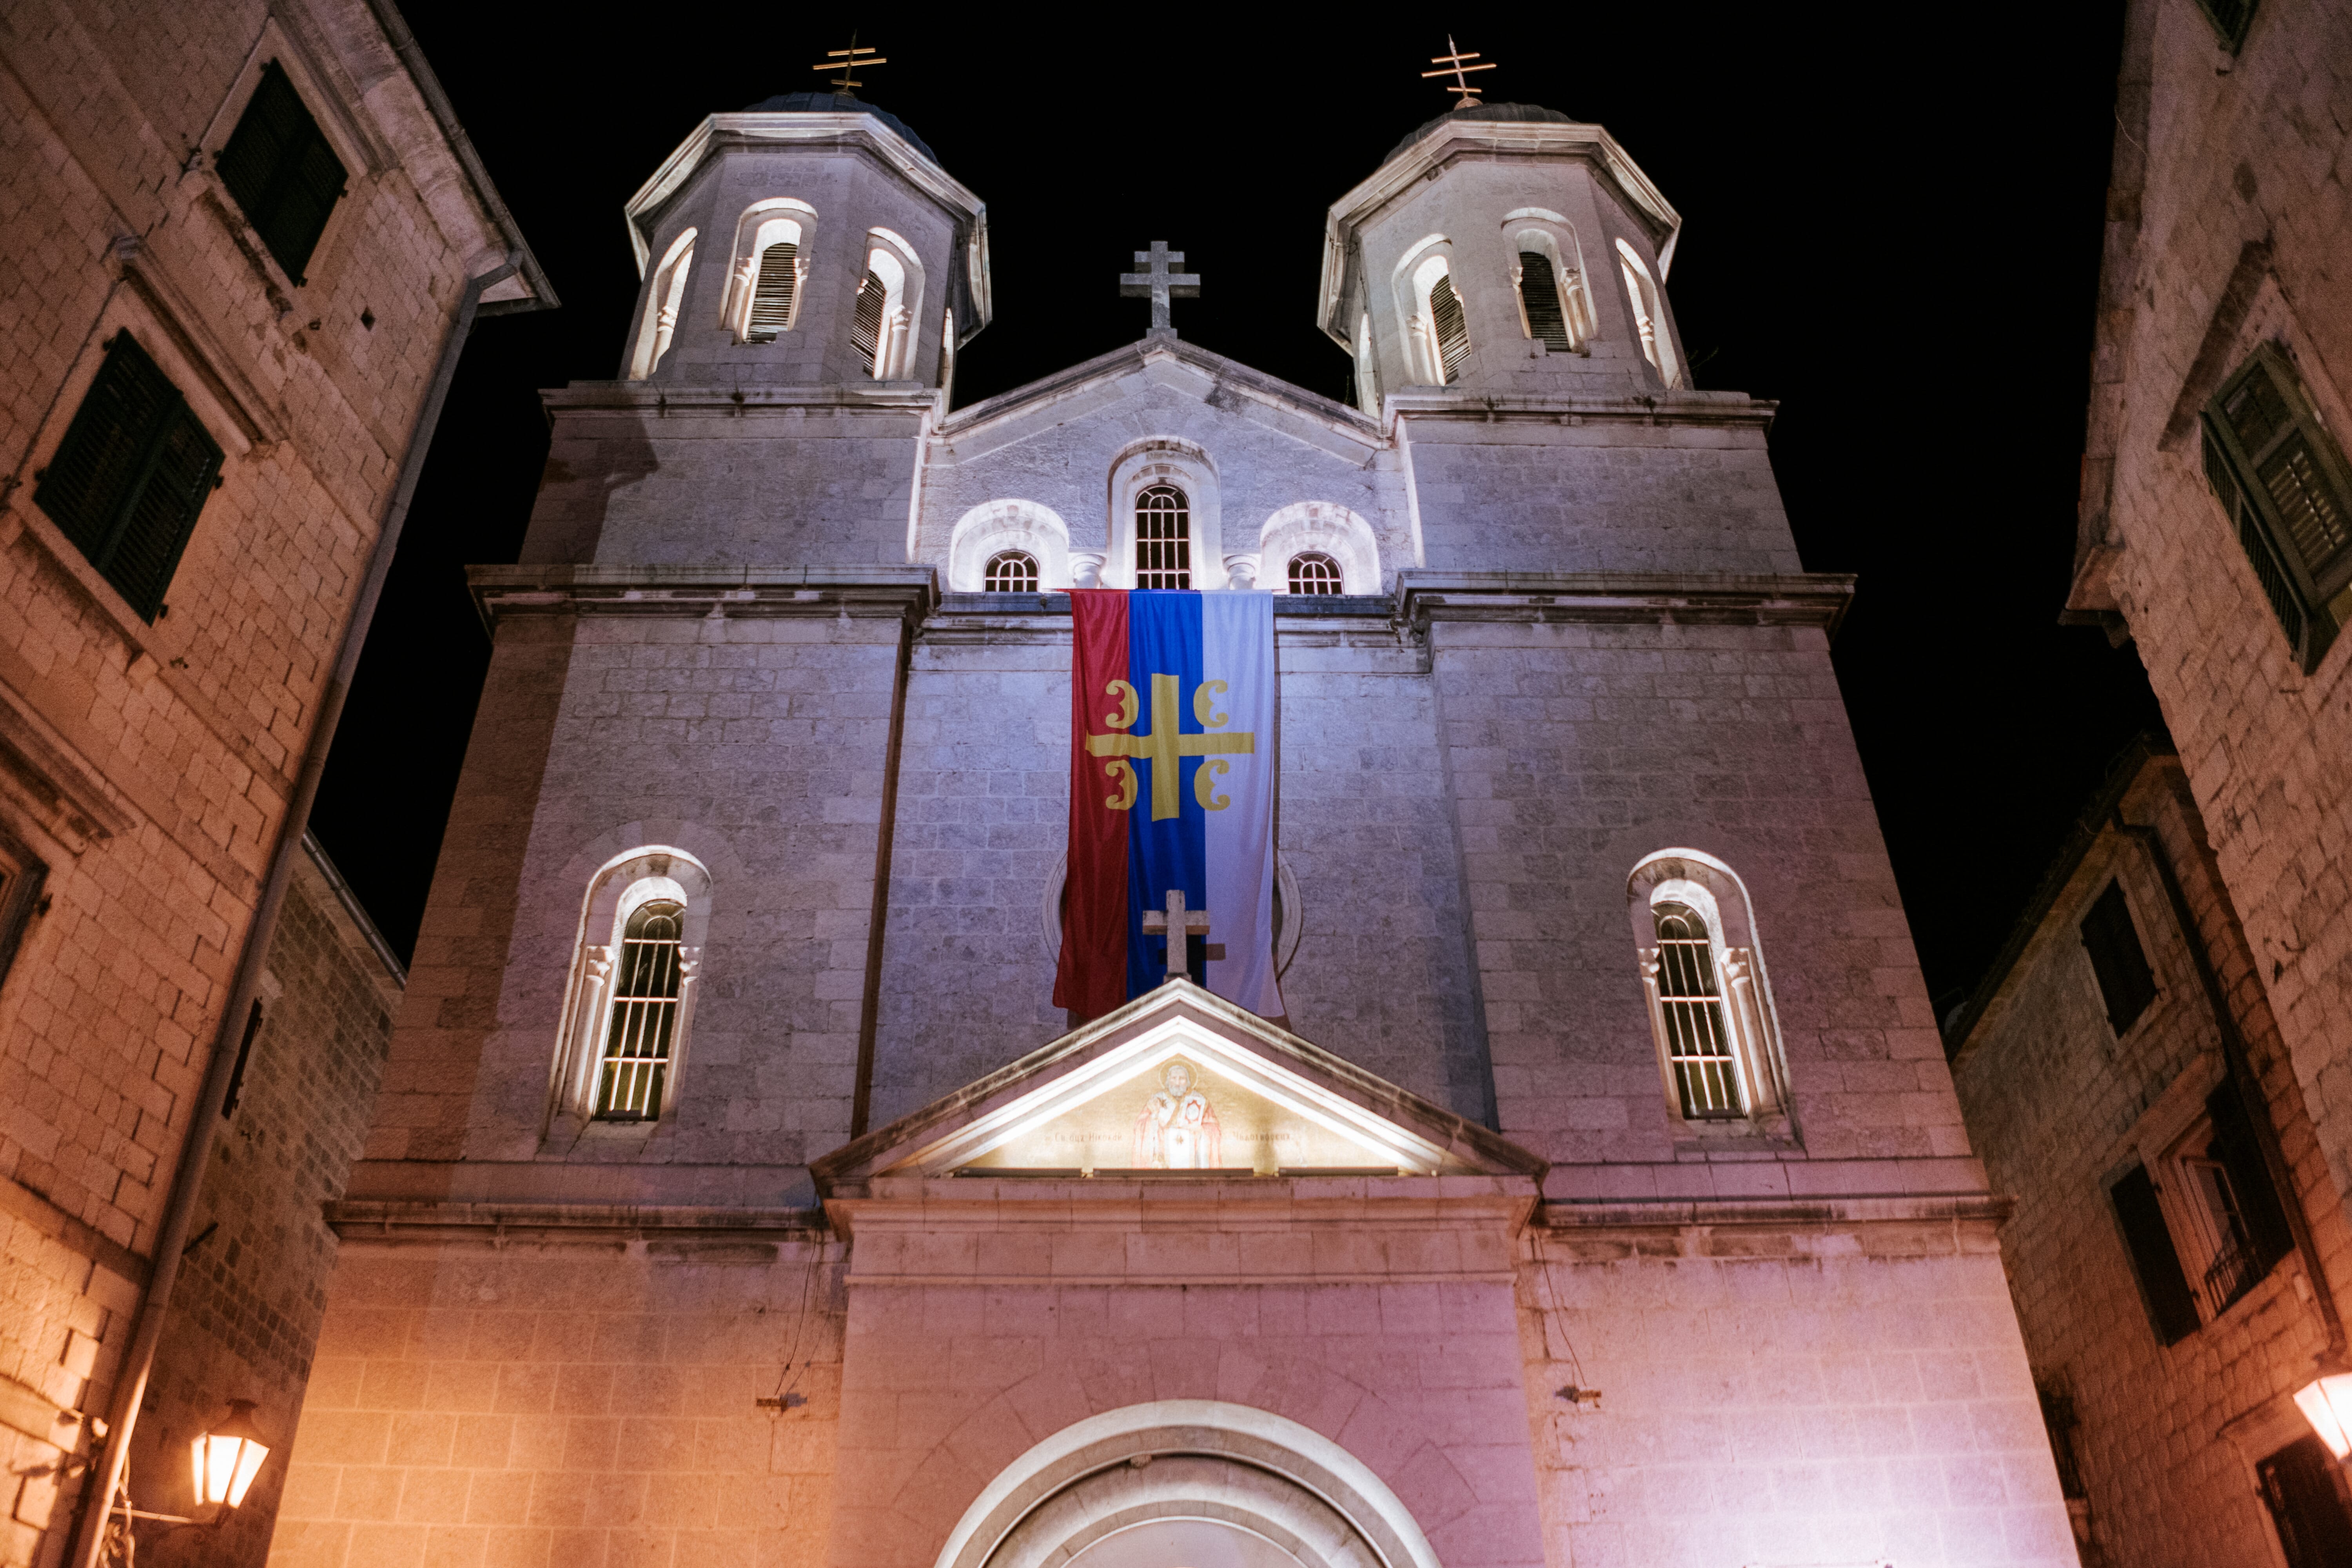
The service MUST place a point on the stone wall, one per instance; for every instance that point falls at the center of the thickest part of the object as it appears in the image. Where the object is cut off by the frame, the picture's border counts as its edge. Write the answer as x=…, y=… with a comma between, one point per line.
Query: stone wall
x=2217, y=158
x=2168, y=1435
x=148, y=764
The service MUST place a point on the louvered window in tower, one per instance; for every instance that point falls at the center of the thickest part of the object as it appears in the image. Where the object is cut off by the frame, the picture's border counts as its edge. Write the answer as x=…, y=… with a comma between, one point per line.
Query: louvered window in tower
x=129, y=477
x=1539, y=294
x=1446, y=324
x=1164, y=539
x=280, y=169
x=1011, y=572
x=1698, y=1045
x=772, y=296
x=865, y=326
x=1312, y=572
x=645, y=1013
x=2284, y=481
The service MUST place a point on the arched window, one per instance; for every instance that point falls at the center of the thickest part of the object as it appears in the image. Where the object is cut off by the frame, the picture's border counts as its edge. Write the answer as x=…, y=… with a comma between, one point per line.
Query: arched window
x=1710, y=1002
x=663, y=297
x=768, y=276
x=1011, y=572
x=882, y=323
x=865, y=324
x=1540, y=302
x=646, y=988
x=1446, y=333
x=1649, y=315
x=774, y=288
x=1164, y=539
x=1698, y=1045
x=1312, y=572
x=628, y=1014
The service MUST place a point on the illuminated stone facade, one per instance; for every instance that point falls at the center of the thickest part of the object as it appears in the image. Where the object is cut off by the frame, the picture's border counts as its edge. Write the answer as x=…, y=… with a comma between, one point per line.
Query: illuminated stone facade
x=155, y=709
x=1509, y=1304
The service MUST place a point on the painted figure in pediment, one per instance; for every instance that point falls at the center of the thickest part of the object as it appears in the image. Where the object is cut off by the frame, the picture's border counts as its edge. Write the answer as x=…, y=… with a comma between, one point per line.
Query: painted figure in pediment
x=1178, y=1128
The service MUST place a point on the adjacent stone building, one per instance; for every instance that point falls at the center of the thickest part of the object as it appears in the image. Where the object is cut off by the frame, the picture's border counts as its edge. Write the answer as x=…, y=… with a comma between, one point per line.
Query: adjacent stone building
x=2216, y=519
x=2178, y=1252
x=239, y=245
x=1560, y=1224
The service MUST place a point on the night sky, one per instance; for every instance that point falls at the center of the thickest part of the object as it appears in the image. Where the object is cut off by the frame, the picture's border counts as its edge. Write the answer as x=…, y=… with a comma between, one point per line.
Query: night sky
x=1893, y=233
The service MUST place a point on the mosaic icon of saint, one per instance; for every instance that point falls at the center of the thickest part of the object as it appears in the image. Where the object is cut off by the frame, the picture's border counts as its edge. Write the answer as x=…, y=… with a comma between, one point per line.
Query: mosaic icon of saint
x=1178, y=1130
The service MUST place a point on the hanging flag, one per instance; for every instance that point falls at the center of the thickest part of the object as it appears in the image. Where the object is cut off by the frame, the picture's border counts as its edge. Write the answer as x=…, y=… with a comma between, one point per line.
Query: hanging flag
x=1172, y=787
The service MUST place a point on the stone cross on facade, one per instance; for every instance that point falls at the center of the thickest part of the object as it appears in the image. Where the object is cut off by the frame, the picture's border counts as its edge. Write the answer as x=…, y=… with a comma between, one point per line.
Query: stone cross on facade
x=1158, y=283
x=1181, y=927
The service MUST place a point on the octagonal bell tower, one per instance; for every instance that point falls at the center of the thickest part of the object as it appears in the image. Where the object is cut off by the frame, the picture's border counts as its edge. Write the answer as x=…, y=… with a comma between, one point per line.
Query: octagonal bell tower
x=1503, y=248
x=812, y=239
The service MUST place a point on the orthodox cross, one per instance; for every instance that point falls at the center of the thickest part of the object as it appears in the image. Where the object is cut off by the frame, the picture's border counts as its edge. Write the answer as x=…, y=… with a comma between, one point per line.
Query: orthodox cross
x=1180, y=926
x=853, y=59
x=1165, y=749
x=1160, y=283
x=1455, y=63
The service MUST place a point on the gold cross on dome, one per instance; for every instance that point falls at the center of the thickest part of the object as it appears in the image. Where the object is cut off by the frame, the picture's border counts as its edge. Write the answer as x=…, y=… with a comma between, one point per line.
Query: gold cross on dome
x=845, y=61
x=1455, y=64
x=1165, y=749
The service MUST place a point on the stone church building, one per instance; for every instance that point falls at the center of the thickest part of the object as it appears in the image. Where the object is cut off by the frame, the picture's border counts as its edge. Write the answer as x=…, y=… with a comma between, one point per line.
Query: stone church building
x=737, y=1193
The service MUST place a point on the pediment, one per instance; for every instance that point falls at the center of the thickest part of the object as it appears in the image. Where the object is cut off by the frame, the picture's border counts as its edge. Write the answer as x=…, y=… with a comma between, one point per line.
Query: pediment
x=1179, y=1082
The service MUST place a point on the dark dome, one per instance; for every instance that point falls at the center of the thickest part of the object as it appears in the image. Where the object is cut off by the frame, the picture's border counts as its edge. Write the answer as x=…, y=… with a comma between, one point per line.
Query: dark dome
x=839, y=103
x=1487, y=112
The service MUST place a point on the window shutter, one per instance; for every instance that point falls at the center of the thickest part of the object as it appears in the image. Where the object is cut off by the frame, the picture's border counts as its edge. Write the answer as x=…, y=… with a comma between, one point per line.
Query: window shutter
x=772, y=297
x=2268, y=1238
x=2171, y=1310
x=130, y=476
x=2282, y=479
x=281, y=171
x=866, y=328
x=1540, y=291
x=2117, y=959
x=1452, y=335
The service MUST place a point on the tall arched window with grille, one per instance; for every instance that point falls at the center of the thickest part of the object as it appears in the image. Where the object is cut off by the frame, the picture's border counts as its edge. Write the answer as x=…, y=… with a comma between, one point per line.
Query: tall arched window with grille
x=1698, y=1042
x=643, y=1014
x=1011, y=572
x=1164, y=539
x=1312, y=572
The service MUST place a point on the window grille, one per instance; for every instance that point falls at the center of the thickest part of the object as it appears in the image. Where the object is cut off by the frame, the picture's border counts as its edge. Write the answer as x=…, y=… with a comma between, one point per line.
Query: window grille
x=866, y=328
x=645, y=1013
x=1164, y=539
x=130, y=476
x=2117, y=961
x=1539, y=294
x=2283, y=480
x=772, y=296
x=1698, y=1045
x=1314, y=572
x=281, y=171
x=1446, y=321
x=1011, y=572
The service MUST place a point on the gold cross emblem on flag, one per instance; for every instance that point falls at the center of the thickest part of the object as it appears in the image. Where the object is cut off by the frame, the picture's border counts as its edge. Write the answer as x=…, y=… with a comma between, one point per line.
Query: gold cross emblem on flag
x=1165, y=747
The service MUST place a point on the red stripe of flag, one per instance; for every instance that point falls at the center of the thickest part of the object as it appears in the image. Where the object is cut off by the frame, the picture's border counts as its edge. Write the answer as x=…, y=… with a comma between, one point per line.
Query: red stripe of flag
x=1092, y=978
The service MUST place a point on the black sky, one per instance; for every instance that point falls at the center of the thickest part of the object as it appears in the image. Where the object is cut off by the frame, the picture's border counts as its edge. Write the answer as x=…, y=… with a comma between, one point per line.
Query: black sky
x=1892, y=230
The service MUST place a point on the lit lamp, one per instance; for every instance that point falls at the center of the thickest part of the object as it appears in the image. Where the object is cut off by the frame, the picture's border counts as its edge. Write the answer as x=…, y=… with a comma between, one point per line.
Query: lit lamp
x=225, y=1458
x=2327, y=1403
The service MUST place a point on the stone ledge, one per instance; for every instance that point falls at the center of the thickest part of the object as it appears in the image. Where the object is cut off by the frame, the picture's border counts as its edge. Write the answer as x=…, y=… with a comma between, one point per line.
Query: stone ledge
x=1778, y=599
x=426, y=1222
x=907, y=399
x=1980, y=1208
x=905, y=593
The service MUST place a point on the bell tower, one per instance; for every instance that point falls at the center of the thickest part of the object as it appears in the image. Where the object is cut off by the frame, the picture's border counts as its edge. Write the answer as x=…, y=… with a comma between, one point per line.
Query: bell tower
x=1504, y=248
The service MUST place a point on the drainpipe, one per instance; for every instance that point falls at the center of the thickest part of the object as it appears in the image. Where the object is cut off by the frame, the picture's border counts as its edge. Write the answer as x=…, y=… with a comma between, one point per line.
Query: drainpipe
x=187, y=1180
x=2241, y=1069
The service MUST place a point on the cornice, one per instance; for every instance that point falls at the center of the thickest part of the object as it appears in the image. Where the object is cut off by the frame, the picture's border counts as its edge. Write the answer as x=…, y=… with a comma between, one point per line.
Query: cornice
x=896, y=397
x=1426, y=595
x=1976, y=1209
x=904, y=592
x=1452, y=139
x=1665, y=408
x=426, y=1223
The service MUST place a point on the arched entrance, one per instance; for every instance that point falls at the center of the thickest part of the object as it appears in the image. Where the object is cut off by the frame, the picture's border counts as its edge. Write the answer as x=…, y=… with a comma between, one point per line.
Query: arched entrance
x=1187, y=1483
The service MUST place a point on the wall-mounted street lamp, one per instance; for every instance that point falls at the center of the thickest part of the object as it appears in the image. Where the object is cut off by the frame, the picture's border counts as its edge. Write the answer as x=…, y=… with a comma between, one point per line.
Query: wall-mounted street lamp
x=226, y=1458
x=2327, y=1403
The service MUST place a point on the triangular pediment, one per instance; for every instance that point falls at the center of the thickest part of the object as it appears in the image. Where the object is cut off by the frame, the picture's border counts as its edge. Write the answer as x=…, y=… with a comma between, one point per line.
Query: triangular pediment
x=1178, y=1082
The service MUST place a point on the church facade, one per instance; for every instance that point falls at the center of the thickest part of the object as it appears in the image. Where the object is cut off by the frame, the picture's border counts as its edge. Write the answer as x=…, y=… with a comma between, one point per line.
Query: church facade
x=736, y=1188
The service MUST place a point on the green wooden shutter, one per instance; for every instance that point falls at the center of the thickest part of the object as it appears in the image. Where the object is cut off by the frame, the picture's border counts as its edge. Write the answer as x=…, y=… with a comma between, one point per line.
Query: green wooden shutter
x=2268, y=1238
x=2171, y=1310
x=282, y=172
x=130, y=476
x=2283, y=479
